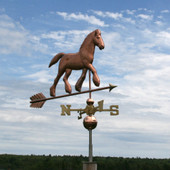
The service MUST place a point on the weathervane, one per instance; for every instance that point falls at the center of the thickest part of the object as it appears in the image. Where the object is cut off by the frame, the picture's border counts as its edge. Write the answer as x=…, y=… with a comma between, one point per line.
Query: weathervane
x=76, y=61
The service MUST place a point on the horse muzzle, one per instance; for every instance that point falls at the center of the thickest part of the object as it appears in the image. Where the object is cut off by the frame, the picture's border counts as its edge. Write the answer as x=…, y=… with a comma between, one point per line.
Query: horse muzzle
x=101, y=47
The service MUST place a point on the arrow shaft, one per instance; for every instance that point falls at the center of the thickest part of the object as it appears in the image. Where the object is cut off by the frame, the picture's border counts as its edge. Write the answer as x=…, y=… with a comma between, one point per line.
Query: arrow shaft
x=67, y=95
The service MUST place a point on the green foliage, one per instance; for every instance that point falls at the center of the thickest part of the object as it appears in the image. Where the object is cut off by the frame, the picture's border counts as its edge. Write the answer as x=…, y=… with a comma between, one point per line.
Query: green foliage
x=111, y=163
x=42, y=162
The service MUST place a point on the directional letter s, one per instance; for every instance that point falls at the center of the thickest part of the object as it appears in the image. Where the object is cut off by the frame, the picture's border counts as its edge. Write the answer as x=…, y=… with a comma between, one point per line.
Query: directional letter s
x=114, y=109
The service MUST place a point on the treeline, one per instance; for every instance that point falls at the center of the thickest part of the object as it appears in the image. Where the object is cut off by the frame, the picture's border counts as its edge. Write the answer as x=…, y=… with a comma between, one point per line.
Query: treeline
x=33, y=162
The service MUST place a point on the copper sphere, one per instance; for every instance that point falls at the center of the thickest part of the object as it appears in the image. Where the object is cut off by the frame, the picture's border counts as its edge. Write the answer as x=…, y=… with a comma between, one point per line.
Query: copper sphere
x=90, y=122
x=90, y=101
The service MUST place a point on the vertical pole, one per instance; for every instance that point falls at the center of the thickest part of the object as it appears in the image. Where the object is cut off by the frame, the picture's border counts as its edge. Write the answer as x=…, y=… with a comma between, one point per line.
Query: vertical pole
x=90, y=130
x=89, y=84
x=90, y=165
x=90, y=146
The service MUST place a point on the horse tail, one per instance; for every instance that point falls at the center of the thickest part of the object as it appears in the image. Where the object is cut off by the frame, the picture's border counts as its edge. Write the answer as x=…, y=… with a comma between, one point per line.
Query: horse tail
x=55, y=59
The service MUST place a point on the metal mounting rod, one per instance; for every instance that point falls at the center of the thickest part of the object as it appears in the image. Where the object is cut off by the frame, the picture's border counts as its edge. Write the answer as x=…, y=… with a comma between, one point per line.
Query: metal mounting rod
x=90, y=146
x=89, y=84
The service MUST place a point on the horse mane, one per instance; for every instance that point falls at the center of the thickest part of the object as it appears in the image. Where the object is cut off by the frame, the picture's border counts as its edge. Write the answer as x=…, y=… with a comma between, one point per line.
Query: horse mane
x=86, y=40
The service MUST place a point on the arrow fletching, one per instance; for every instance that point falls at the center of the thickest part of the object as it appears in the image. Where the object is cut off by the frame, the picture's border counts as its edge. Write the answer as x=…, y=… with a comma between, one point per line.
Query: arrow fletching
x=38, y=97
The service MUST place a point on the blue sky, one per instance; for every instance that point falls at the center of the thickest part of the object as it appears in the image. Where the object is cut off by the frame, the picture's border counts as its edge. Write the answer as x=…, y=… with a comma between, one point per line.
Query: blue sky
x=136, y=58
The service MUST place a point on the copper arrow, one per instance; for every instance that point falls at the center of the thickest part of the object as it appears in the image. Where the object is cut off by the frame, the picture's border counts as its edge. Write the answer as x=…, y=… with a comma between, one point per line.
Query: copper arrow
x=39, y=99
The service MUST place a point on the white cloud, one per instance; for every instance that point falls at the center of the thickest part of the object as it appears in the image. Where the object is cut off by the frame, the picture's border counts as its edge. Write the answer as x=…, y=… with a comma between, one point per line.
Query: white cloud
x=6, y=21
x=149, y=87
x=67, y=40
x=164, y=37
x=13, y=37
x=145, y=17
x=145, y=9
x=21, y=116
x=159, y=23
x=165, y=11
x=116, y=16
x=129, y=20
x=42, y=76
x=130, y=12
x=16, y=40
x=157, y=39
x=113, y=15
x=16, y=103
x=82, y=17
x=63, y=35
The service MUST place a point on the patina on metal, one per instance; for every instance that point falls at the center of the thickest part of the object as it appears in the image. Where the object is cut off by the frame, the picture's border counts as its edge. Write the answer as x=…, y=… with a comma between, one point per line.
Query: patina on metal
x=77, y=61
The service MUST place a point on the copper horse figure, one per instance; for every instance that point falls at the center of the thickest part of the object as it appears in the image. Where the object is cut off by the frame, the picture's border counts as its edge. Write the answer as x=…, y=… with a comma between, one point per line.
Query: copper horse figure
x=76, y=61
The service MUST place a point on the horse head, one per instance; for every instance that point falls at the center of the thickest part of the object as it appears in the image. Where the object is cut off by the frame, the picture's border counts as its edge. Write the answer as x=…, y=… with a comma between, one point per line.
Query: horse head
x=98, y=41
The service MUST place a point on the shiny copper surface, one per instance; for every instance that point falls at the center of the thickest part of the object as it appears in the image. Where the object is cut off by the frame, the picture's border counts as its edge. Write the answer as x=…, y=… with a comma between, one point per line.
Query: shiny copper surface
x=76, y=61
x=90, y=101
x=90, y=122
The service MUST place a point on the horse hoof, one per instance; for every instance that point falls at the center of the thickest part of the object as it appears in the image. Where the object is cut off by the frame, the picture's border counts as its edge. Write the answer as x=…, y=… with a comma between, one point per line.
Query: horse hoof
x=96, y=82
x=68, y=89
x=78, y=88
x=52, y=91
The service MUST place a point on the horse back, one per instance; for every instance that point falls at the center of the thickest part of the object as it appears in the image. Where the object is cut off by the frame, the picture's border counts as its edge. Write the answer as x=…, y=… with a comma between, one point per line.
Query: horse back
x=71, y=61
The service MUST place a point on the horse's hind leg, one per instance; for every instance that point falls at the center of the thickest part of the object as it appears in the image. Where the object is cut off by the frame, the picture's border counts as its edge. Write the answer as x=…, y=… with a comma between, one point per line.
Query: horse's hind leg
x=53, y=87
x=81, y=80
x=65, y=79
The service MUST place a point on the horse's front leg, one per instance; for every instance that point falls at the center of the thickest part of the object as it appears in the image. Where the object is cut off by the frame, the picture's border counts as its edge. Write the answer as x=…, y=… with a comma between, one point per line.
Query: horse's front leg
x=96, y=79
x=65, y=79
x=81, y=80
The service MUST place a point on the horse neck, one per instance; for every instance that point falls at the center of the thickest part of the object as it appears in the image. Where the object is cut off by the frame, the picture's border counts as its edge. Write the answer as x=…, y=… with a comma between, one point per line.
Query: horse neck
x=88, y=46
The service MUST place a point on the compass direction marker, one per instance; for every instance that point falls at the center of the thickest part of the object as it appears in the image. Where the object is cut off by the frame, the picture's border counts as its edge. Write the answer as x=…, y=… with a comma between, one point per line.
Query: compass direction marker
x=90, y=110
x=38, y=100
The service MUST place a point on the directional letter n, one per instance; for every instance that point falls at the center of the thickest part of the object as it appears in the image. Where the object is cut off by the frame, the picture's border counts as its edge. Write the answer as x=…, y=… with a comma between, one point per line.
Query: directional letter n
x=65, y=110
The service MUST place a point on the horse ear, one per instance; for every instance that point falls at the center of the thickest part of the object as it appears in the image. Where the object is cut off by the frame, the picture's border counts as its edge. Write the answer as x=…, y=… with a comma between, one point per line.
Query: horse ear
x=97, y=32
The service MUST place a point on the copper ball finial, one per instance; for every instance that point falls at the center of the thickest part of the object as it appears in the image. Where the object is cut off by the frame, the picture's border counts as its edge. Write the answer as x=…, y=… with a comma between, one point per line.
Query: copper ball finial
x=90, y=101
x=90, y=122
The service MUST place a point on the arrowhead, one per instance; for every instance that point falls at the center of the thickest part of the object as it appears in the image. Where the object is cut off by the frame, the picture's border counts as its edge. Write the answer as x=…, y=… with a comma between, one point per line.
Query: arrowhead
x=111, y=86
